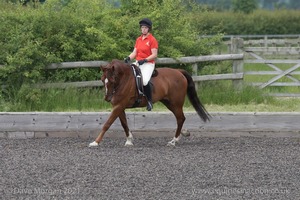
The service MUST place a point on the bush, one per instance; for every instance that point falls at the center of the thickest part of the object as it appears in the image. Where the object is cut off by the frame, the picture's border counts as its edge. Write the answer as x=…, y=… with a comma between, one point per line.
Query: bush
x=33, y=36
x=82, y=30
x=244, y=6
x=257, y=23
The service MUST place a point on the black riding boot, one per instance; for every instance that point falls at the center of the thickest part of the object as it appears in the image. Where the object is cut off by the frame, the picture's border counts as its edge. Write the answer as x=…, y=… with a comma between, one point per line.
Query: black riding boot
x=148, y=93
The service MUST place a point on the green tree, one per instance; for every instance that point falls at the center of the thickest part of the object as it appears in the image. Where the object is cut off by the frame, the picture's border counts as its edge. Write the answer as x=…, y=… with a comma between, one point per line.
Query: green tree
x=173, y=26
x=83, y=30
x=245, y=6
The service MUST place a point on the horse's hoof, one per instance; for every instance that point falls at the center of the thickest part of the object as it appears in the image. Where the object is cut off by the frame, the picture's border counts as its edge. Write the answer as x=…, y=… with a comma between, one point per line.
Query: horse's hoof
x=94, y=144
x=129, y=140
x=171, y=143
x=185, y=133
x=128, y=144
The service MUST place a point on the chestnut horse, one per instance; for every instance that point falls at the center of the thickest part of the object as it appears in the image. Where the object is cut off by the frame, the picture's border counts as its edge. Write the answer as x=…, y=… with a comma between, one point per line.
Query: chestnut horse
x=170, y=87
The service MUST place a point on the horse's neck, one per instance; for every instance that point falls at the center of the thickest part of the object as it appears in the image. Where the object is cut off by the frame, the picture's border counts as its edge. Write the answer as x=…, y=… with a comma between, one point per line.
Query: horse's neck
x=125, y=82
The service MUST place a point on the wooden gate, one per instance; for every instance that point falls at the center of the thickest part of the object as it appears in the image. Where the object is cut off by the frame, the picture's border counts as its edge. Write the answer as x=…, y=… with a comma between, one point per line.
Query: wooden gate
x=286, y=52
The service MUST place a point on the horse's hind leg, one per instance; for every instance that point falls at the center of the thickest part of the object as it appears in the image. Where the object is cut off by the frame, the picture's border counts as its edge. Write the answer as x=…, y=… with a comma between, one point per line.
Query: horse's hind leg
x=123, y=120
x=180, y=118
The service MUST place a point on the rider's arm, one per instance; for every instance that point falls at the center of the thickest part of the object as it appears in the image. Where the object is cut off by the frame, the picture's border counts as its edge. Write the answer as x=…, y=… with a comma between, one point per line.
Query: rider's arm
x=133, y=54
x=153, y=55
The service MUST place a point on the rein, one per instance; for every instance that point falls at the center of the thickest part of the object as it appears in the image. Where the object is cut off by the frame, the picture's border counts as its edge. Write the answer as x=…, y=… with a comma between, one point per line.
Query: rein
x=139, y=91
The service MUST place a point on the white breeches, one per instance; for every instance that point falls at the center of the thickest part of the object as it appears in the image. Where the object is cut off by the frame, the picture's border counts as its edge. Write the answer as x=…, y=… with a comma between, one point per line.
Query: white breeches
x=147, y=70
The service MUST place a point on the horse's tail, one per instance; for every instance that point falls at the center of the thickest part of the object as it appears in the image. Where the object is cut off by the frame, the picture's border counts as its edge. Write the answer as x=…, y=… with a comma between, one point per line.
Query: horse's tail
x=192, y=95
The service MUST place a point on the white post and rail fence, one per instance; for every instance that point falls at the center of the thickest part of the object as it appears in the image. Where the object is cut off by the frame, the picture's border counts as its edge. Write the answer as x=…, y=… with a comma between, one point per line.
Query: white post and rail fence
x=240, y=54
x=236, y=75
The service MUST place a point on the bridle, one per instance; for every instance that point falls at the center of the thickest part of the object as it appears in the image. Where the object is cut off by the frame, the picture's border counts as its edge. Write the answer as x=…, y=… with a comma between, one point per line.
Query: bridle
x=111, y=82
x=110, y=92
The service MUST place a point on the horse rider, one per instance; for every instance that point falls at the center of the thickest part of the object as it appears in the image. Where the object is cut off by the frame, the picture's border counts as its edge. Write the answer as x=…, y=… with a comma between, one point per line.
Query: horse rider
x=145, y=51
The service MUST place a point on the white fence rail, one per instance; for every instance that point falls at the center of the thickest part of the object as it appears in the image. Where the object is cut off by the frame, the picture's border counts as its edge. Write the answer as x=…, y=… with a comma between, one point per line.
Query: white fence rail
x=236, y=75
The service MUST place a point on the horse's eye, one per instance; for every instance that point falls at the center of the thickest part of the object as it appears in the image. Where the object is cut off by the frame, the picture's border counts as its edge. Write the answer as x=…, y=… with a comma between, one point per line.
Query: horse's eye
x=111, y=79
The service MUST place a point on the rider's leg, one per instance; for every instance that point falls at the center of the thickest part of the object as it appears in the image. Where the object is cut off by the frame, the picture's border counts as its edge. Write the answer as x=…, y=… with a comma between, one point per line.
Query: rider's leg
x=147, y=70
x=148, y=93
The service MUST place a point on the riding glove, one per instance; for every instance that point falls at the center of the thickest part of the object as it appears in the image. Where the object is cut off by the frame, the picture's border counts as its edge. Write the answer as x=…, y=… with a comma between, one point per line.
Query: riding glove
x=141, y=62
x=126, y=60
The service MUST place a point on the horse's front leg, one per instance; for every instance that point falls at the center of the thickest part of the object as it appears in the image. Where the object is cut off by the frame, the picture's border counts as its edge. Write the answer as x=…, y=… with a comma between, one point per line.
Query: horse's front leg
x=113, y=116
x=124, y=124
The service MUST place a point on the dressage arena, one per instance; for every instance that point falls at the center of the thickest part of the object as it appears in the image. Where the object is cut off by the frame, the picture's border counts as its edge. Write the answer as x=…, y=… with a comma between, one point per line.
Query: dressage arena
x=245, y=156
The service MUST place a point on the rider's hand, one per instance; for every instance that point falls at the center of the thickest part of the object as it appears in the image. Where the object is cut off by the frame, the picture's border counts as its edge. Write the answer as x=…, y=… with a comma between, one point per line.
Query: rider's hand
x=126, y=60
x=141, y=62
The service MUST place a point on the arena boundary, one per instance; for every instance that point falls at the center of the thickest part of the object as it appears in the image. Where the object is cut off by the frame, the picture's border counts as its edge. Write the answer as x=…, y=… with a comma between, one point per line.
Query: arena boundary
x=22, y=125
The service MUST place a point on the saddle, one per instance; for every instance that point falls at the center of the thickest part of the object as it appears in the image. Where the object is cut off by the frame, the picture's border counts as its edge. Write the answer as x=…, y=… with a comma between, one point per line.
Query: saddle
x=139, y=83
x=138, y=79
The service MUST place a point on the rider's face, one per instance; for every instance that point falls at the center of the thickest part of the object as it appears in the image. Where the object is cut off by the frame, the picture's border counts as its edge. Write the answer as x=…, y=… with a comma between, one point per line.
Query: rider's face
x=144, y=30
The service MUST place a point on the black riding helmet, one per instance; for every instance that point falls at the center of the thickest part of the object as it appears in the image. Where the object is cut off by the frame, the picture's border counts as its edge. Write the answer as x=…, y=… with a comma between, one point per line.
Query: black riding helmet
x=146, y=22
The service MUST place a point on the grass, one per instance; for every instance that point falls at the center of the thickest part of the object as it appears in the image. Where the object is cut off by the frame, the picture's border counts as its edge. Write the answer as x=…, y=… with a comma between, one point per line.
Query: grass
x=217, y=96
x=279, y=105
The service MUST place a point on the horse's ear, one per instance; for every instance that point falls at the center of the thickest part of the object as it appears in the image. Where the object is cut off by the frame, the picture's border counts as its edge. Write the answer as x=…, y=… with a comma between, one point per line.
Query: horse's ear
x=102, y=67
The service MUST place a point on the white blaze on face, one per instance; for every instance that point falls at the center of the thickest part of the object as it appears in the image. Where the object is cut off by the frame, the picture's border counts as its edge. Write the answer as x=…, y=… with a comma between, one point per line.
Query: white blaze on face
x=106, y=81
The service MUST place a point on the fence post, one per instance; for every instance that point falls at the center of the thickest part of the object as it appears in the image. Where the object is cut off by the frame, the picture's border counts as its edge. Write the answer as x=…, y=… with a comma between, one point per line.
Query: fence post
x=195, y=73
x=238, y=65
x=266, y=41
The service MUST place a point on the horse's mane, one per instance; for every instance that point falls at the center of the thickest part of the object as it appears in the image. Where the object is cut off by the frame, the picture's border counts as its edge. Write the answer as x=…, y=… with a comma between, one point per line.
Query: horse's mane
x=118, y=66
x=118, y=61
